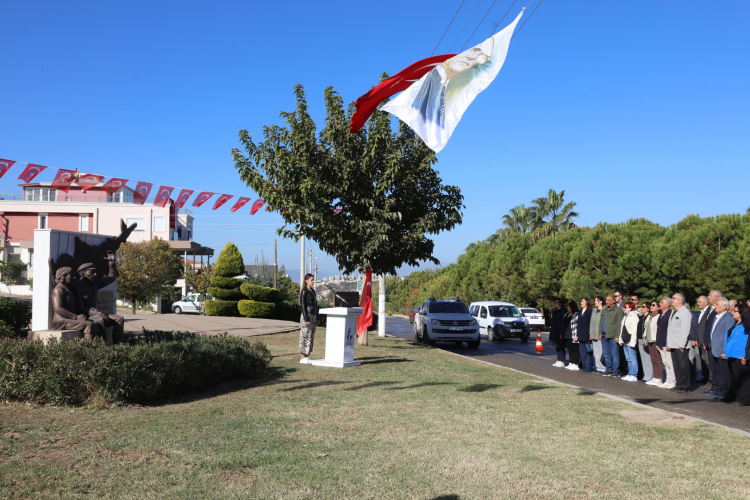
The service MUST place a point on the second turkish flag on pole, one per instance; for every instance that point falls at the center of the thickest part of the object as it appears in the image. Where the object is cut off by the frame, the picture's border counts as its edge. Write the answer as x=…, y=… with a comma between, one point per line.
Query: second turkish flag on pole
x=364, y=321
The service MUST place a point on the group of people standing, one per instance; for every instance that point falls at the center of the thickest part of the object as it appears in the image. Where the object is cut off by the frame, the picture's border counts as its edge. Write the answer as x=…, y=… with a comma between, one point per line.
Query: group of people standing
x=663, y=343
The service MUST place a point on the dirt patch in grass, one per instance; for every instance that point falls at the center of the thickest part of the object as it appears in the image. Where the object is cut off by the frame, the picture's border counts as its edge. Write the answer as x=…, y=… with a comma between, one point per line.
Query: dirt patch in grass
x=657, y=417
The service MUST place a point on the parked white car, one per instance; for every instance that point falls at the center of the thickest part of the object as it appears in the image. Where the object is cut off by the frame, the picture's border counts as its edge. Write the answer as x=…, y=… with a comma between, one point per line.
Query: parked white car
x=536, y=318
x=445, y=321
x=192, y=303
x=500, y=320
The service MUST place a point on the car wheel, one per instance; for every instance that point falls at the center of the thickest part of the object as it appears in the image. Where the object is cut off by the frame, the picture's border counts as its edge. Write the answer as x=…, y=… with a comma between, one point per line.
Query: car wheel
x=473, y=345
x=525, y=338
x=416, y=334
x=490, y=334
x=426, y=337
x=178, y=310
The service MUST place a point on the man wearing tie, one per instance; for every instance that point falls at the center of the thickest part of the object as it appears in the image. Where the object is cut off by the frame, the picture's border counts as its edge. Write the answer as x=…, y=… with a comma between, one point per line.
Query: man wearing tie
x=719, y=368
x=703, y=334
x=678, y=339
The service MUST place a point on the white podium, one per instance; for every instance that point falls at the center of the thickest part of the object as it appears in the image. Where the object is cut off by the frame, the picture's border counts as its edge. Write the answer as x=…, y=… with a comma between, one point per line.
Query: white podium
x=341, y=330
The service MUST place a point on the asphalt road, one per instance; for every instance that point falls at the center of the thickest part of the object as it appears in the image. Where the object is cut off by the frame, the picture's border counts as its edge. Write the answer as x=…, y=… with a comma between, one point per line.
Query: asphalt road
x=519, y=356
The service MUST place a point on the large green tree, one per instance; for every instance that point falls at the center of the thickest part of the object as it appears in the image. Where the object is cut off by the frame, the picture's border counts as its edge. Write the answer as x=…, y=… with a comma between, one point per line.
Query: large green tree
x=146, y=269
x=552, y=215
x=369, y=198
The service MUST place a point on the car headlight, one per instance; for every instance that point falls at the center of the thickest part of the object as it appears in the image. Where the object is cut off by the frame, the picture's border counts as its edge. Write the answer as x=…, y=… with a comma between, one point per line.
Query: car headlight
x=472, y=322
x=497, y=321
x=526, y=320
x=434, y=322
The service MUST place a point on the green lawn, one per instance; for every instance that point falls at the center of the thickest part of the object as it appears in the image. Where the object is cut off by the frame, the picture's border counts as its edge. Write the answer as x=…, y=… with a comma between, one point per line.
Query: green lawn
x=411, y=422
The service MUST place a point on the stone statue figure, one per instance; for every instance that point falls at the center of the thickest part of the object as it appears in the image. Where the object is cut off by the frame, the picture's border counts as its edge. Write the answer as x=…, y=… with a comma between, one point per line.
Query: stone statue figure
x=64, y=305
x=86, y=292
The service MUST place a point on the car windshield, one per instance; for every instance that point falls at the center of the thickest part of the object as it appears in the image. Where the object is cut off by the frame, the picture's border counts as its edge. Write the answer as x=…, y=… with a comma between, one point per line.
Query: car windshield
x=504, y=312
x=448, y=308
x=416, y=309
x=531, y=311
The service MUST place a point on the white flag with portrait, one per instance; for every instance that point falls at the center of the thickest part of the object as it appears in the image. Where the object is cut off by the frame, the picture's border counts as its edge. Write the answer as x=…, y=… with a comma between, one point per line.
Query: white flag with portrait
x=434, y=105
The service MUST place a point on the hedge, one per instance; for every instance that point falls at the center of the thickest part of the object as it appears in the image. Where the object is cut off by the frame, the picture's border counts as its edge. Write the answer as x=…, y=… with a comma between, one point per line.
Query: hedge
x=229, y=263
x=221, y=308
x=259, y=293
x=226, y=283
x=161, y=365
x=255, y=309
x=15, y=316
x=222, y=294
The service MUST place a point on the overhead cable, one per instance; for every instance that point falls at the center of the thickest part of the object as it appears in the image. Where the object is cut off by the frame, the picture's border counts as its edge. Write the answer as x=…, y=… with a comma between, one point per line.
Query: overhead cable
x=478, y=25
x=527, y=19
x=446, y=29
x=465, y=25
x=501, y=20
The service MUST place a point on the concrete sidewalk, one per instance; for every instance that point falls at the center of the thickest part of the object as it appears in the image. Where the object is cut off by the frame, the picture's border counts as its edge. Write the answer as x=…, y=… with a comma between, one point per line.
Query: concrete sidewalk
x=241, y=327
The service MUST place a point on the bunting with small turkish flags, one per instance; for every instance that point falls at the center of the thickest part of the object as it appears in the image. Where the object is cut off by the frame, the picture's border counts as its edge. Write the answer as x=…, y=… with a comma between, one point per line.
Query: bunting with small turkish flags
x=183, y=198
x=5, y=166
x=87, y=181
x=240, y=203
x=222, y=199
x=163, y=197
x=257, y=205
x=63, y=180
x=30, y=172
x=113, y=185
x=202, y=198
x=142, y=189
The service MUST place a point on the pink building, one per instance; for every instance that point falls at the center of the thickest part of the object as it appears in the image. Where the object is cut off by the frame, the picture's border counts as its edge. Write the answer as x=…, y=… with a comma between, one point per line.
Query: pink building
x=91, y=211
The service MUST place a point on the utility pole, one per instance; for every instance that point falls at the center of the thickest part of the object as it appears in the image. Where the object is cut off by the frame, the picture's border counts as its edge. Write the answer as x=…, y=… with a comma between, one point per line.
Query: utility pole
x=316, y=278
x=302, y=263
x=275, y=267
x=381, y=307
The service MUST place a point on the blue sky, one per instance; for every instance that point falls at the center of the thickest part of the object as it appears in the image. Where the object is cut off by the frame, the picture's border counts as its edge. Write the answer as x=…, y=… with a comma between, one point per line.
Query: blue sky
x=634, y=108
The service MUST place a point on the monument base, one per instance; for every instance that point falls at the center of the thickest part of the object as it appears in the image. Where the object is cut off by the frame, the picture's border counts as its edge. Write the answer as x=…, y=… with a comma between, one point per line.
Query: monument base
x=60, y=335
x=335, y=364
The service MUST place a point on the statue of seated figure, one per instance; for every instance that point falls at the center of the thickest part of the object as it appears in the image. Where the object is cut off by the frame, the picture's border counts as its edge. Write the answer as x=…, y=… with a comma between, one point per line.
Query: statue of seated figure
x=64, y=305
x=86, y=293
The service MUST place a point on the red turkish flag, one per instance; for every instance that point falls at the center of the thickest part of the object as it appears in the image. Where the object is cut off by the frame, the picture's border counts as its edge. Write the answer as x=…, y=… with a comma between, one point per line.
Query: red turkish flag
x=142, y=189
x=63, y=180
x=163, y=197
x=240, y=203
x=113, y=185
x=202, y=198
x=87, y=181
x=222, y=199
x=5, y=165
x=257, y=206
x=364, y=321
x=402, y=80
x=183, y=198
x=30, y=172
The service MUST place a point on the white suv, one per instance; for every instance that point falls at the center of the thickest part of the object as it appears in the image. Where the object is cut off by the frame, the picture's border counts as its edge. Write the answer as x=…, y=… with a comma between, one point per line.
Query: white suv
x=500, y=320
x=445, y=321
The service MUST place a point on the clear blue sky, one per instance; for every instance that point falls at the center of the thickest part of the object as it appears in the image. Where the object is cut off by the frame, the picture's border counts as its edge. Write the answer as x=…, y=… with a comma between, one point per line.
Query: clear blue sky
x=634, y=108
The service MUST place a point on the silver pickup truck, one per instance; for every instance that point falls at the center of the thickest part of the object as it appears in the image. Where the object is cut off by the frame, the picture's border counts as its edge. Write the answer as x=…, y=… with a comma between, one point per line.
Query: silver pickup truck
x=446, y=321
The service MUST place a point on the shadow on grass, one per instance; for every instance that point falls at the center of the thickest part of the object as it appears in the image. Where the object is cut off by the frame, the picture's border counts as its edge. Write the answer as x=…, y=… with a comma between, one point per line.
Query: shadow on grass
x=586, y=392
x=446, y=497
x=371, y=384
x=480, y=387
x=529, y=388
x=422, y=384
x=385, y=360
x=313, y=385
x=683, y=401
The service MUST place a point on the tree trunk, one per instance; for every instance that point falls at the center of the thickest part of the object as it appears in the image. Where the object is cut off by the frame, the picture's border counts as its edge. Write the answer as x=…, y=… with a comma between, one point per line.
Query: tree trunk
x=132, y=306
x=363, y=338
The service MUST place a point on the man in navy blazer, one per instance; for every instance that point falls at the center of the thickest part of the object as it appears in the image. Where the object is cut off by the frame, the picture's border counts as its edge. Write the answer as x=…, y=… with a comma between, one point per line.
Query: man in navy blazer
x=720, y=387
x=703, y=334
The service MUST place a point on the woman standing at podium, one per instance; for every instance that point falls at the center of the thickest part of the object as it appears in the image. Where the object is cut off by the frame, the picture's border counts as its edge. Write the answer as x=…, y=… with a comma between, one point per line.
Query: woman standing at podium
x=308, y=319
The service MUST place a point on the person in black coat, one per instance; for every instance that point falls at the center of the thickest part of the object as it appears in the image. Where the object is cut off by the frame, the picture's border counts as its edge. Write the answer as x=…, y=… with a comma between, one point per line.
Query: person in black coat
x=556, y=331
x=570, y=336
x=308, y=319
x=584, y=337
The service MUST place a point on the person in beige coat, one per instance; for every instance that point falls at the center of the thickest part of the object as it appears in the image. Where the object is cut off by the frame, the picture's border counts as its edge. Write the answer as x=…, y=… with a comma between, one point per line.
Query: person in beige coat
x=628, y=340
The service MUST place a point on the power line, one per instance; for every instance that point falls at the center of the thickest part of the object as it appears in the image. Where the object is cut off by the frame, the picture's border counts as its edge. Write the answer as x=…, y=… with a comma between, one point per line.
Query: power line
x=446, y=29
x=527, y=19
x=501, y=20
x=478, y=25
x=465, y=25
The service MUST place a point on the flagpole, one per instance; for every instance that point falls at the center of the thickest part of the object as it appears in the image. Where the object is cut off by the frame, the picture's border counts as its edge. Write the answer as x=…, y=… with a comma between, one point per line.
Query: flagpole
x=381, y=307
x=302, y=263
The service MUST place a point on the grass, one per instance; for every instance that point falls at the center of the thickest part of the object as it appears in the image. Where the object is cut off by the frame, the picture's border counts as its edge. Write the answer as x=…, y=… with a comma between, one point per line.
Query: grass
x=411, y=422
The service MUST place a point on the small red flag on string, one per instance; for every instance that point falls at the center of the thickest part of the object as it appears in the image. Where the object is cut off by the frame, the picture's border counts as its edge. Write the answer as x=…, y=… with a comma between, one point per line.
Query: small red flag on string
x=257, y=206
x=142, y=189
x=222, y=199
x=30, y=172
x=163, y=197
x=63, y=180
x=5, y=165
x=365, y=320
x=87, y=181
x=202, y=198
x=337, y=210
x=240, y=203
x=183, y=198
x=113, y=185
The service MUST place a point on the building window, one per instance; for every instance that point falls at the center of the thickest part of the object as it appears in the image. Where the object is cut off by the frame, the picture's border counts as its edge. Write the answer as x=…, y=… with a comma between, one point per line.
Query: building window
x=42, y=221
x=179, y=233
x=83, y=223
x=159, y=224
x=121, y=196
x=140, y=221
x=41, y=194
x=31, y=257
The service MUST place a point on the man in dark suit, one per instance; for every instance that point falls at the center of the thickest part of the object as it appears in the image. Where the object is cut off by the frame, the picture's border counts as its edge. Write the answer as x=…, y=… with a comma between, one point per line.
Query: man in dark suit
x=720, y=387
x=702, y=334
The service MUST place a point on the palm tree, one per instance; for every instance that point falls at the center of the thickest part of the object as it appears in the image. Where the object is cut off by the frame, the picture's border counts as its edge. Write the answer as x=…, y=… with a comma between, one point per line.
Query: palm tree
x=552, y=215
x=519, y=219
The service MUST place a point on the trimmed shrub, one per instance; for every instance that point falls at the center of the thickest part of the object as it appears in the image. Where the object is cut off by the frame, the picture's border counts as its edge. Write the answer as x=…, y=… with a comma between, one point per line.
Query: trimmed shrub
x=221, y=294
x=229, y=263
x=259, y=293
x=226, y=283
x=16, y=315
x=162, y=364
x=287, y=311
x=255, y=309
x=221, y=308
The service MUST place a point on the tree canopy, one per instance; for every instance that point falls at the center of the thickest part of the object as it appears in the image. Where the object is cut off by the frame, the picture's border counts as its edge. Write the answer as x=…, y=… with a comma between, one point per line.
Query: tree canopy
x=369, y=199
x=146, y=269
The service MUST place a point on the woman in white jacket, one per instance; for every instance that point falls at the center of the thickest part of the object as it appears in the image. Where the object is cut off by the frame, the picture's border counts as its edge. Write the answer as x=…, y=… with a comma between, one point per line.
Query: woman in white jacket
x=628, y=340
